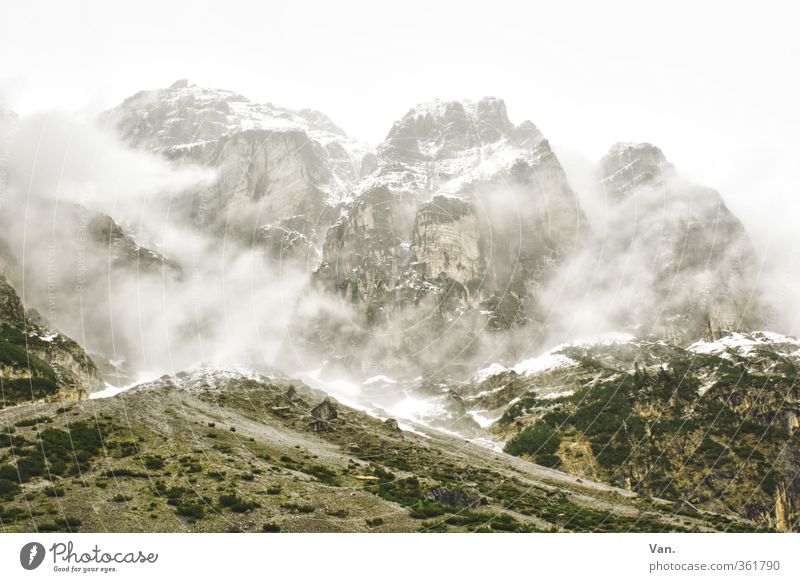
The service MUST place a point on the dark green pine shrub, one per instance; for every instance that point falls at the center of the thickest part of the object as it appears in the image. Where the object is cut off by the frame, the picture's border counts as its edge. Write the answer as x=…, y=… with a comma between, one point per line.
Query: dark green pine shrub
x=539, y=439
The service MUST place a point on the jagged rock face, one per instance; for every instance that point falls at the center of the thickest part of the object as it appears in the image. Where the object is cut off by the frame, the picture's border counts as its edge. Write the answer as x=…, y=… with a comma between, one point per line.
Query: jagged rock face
x=628, y=166
x=273, y=164
x=464, y=217
x=692, y=253
x=439, y=142
x=360, y=250
x=446, y=242
x=37, y=363
x=274, y=167
x=534, y=225
x=445, y=129
x=12, y=313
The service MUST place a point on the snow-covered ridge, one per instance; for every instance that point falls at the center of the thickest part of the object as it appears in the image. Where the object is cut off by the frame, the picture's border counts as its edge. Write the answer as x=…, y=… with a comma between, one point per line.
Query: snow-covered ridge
x=230, y=112
x=745, y=344
x=738, y=343
x=201, y=377
x=185, y=117
x=551, y=359
x=441, y=147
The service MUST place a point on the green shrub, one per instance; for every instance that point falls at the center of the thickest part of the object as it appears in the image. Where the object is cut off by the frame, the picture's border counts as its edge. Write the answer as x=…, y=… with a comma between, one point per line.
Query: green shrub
x=8, y=488
x=54, y=492
x=322, y=474
x=538, y=439
x=236, y=504
x=298, y=507
x=191, y=510
x=154, y=463
x=427, y=509
x=33, y=421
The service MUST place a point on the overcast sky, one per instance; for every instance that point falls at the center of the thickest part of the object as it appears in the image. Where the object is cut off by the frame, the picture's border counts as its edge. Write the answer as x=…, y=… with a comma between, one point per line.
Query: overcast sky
x=715, y=85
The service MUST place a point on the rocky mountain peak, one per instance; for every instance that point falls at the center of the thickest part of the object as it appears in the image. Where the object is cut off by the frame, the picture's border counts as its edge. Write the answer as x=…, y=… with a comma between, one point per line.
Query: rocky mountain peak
x=439, y=129
x=695, y=254
x=444, y=146
x=180, y=84
x=279, y=170
x=185, y=114
x=628, y=166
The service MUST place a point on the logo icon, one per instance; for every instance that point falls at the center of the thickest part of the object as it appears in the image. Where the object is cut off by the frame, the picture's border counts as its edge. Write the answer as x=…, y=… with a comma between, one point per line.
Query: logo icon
x=31, y=555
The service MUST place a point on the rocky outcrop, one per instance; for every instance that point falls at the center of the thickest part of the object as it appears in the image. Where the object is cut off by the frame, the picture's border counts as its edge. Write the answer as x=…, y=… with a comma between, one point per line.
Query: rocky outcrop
x=37, y=363
x=362, y=253
x=123, y=250
x=786, y=516
x=446, y=242
x=628, y=167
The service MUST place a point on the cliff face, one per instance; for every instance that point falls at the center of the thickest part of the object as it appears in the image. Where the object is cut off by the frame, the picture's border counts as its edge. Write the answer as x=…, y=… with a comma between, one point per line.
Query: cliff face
x=279, y=171
x=464, y=217
x=37, y=363
x=121, y=249
x=446, y=242
x=361, y=254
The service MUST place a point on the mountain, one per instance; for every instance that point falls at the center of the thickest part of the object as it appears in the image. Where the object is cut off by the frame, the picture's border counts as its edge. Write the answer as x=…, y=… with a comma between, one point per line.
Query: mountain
x=678, y=245
x=227, y=450
x=122, y=248
x=464, y=218
x=279, y=171
x=456, y=243
x=711, y=424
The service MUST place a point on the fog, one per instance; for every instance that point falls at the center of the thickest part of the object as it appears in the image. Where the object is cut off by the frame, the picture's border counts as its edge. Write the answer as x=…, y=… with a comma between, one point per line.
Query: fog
x=212, y=303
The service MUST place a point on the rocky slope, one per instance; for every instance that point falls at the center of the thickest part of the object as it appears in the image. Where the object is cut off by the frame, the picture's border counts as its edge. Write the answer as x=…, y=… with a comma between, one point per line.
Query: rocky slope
x=215, y=450
x=37, y=363
x=713, y=425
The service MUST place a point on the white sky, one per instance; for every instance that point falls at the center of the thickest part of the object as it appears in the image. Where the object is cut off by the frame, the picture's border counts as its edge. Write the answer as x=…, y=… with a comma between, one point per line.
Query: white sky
x=715, y=85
